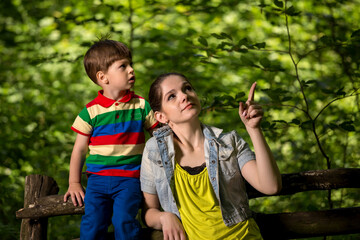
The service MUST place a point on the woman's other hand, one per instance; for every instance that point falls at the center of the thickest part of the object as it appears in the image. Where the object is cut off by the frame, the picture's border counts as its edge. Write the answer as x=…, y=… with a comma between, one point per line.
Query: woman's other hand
x=172, y=227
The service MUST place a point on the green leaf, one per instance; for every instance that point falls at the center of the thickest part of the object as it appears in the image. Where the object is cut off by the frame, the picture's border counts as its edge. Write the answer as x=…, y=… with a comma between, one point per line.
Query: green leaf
x=242, y=50
x=239, y=96
x=340, y=92
x=260, y=45
x=311, y=82
x=348, y=126
x=223, y=45
x=326, y=40
x=291, y=11
x=333, y=126
x=355, y=34
x=225, y=35
x=295, y=121
x=280, y=121
x=243, y=42
x=286, y=98
x=265, y=62
x=215, y=35
x=279, y=4
x=265, y=125
x=327, y=91
x=246, y=60
x=203, y=41
x=306, y=124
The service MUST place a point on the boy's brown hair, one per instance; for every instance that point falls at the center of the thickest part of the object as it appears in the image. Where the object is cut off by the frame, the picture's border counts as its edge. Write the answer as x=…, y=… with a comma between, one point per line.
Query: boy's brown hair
x=102, y=54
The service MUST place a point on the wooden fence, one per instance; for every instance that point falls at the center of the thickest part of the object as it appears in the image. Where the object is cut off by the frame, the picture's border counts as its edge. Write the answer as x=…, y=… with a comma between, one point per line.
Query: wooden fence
x=41, y=202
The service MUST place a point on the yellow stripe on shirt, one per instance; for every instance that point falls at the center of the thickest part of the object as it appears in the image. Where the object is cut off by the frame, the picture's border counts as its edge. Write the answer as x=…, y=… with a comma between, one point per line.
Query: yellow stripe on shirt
x=117, y=150
x=82, y=126
x=97, y=109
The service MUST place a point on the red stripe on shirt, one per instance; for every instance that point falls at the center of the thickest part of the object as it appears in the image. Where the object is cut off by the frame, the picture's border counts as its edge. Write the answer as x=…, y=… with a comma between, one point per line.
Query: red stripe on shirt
x=118, y=172
x=153, y=126
x=120, y=138
x=77, y=131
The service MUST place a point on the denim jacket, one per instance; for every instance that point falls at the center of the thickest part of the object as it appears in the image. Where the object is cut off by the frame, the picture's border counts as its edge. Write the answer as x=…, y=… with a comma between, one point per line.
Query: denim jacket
x=225, y=155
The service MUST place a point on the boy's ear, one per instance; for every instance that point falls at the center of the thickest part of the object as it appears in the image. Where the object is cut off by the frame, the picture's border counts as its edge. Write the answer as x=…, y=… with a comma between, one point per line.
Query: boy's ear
x=160, y=117
x=101, y=77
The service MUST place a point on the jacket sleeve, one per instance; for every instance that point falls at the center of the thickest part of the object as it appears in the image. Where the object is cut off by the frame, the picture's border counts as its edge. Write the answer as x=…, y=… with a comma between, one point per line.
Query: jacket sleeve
x=244, y=153
x=146, y=174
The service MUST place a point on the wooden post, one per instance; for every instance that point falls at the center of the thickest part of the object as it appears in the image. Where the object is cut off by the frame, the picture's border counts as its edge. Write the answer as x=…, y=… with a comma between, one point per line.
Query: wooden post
x=36, y=186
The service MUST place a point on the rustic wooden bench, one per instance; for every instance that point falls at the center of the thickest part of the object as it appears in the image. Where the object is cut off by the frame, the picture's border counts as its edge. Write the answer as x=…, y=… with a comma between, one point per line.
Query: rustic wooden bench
x=41, y=202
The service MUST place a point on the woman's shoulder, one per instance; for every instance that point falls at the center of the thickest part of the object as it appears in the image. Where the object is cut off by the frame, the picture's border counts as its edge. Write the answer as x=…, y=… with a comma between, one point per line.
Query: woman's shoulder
x=151, y=143
x=218, y=133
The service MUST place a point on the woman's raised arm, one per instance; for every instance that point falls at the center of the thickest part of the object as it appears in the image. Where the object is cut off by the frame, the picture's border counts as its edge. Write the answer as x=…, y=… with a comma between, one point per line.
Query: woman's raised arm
x=263, y=174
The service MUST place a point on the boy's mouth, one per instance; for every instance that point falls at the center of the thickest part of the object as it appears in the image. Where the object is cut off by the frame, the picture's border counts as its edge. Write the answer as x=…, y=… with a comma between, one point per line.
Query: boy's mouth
x=132, y=79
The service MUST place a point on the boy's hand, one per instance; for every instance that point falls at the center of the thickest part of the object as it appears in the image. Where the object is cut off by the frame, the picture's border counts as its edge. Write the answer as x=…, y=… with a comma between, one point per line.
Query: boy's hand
x=251, y=113
x=77, y=193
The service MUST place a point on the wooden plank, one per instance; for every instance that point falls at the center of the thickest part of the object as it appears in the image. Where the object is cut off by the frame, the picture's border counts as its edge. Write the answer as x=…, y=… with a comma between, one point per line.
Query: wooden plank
x=309, y=224
x=314, y=180
x=49, y=206
x=36, y=186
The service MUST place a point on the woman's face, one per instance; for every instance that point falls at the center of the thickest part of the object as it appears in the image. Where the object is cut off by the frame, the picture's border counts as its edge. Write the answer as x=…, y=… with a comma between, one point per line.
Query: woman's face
x=179, y=101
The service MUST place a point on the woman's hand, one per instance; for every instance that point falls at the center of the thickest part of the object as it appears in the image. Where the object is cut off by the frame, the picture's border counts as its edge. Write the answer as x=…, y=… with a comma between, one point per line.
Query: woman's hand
x=166, y=221
x=172, y=227
x=251, y=113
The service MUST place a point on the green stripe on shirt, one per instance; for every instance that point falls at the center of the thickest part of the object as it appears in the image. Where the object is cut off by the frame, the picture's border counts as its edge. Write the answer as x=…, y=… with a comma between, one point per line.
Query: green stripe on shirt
x=118, y=116
x=114, y=160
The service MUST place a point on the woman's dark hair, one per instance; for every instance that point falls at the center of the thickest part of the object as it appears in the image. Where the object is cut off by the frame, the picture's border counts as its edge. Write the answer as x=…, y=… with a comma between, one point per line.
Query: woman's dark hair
x=155, y=94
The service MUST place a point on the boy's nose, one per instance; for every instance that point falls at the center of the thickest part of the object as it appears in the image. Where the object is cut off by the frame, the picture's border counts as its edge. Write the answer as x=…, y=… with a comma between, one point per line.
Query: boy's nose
x=131, y=70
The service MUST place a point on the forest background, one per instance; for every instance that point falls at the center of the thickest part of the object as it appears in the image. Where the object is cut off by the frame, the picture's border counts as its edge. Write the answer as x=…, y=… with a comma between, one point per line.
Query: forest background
x=304, y=55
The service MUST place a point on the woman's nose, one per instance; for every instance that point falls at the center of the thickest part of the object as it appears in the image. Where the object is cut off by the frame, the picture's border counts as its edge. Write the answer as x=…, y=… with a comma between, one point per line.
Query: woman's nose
x=184, y=97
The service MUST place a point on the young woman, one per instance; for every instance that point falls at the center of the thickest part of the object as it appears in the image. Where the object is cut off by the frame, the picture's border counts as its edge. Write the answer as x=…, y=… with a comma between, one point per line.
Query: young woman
x=193, y=175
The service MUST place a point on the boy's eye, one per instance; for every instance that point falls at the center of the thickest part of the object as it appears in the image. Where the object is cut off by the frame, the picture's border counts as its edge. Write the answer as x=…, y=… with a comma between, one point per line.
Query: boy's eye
x=122, y=66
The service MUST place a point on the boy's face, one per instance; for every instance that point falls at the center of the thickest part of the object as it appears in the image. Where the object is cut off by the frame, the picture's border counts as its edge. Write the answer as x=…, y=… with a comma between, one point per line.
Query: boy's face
x=121, y=75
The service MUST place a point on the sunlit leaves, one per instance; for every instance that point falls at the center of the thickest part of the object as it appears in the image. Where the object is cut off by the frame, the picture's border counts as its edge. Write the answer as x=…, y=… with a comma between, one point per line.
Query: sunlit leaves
x=221, y=46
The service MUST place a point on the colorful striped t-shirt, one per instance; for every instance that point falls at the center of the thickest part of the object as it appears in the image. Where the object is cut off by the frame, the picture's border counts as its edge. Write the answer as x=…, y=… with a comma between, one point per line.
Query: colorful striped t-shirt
x=117, y=138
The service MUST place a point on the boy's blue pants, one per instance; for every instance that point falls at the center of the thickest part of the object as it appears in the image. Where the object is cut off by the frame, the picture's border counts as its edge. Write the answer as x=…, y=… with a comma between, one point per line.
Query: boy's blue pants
x=111, y=199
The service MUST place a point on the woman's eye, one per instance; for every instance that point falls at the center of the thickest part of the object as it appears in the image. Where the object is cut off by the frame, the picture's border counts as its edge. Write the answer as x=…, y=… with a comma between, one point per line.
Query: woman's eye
x=171, y=96
x=188, y=88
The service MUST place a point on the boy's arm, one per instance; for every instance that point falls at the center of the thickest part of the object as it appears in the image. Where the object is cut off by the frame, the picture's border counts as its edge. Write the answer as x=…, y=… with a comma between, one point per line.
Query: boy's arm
x=75, y=190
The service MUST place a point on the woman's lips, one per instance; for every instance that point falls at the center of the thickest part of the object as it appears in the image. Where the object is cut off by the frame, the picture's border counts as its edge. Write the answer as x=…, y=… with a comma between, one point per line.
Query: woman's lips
x=188, y=106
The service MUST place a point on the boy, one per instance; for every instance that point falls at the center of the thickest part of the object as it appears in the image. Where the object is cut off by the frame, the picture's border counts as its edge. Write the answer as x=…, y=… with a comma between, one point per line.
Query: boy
x=111, y=126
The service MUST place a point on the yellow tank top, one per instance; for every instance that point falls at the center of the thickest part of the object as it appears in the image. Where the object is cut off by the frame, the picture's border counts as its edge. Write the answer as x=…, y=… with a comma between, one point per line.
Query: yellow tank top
x=200, y=211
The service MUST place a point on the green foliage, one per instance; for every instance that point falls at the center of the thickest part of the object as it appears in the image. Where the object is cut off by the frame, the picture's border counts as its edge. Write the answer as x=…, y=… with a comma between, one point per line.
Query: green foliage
x=303, y=55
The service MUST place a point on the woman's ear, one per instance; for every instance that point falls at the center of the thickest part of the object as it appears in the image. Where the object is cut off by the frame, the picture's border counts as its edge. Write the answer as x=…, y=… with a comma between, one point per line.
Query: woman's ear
x=101, y=77
x=160, y=117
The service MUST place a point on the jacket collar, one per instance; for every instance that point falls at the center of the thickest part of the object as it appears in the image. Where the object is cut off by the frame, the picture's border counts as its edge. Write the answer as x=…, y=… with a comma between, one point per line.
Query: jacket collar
x=210, y=133
x=107, y=102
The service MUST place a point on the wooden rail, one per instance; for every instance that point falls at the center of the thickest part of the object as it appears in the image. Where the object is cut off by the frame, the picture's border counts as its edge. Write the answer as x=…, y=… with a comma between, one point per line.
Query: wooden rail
x=41, y=201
